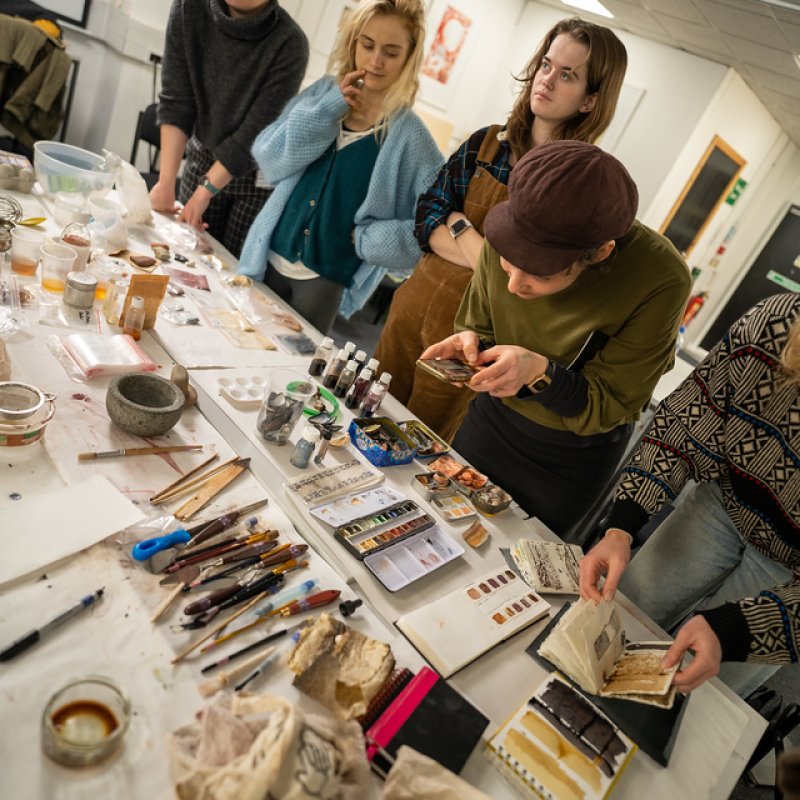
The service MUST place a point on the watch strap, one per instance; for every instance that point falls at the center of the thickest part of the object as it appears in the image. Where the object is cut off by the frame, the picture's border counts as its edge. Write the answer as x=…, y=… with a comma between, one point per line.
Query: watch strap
x=542, y=382
x=209, y=187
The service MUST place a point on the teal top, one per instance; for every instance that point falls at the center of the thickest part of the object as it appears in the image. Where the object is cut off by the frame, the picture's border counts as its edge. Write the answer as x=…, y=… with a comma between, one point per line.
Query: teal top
x=316, y=226
x=635, y=299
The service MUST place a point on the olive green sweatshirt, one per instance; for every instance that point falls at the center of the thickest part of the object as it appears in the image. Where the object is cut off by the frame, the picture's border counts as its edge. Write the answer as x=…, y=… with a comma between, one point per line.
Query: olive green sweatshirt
x=635, y=299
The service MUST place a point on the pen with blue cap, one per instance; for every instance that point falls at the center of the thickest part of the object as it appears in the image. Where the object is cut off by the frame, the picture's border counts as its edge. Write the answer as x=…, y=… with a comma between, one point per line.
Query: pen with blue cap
x=30, y=639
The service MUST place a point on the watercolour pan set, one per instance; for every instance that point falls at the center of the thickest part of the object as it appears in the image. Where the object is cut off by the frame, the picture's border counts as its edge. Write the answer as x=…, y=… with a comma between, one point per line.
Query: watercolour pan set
x=560, y=745
x=463, y=624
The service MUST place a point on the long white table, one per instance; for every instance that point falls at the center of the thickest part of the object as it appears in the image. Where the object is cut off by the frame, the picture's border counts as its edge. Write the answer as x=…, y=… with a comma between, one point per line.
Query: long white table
x=718, y=730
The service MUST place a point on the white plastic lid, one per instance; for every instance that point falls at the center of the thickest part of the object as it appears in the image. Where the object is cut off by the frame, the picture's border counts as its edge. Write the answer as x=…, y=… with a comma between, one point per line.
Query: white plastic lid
x=373, y=364
x=365, y=374
x=310, y=433
x=342, y=355
x=352, y=364
x=327, y=342
x=385, y=378
x=350, y=347
x=361, y=356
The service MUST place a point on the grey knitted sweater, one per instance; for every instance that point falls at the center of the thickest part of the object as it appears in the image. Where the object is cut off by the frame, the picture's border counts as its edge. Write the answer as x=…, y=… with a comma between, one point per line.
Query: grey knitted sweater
x=226, y=79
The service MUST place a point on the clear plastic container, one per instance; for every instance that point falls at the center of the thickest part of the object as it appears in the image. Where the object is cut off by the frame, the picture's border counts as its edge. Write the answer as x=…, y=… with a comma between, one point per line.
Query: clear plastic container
x=134, y=318
x=286, y=396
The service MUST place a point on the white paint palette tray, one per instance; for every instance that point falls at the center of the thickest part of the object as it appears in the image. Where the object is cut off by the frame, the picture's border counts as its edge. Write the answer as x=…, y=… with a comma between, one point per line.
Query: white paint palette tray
x=245, y=392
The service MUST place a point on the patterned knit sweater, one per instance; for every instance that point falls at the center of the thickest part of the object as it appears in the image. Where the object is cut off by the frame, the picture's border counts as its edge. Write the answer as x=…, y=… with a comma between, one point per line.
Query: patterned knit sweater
x=735, y=420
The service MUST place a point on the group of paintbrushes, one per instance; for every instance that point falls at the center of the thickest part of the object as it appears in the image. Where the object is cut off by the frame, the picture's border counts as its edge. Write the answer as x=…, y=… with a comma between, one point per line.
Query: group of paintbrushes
x=239, y=570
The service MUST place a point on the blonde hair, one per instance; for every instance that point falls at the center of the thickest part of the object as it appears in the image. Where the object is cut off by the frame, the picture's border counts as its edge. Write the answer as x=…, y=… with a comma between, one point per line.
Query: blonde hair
x=342, y=60
x=606, y=66
x=790, y=356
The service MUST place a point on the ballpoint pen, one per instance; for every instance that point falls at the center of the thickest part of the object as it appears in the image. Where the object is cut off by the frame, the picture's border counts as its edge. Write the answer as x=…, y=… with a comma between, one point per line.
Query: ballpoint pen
x=34, y=636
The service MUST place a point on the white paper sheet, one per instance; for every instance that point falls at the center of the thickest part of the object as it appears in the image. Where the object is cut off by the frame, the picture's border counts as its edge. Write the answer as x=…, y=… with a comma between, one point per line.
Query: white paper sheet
x=36, y=531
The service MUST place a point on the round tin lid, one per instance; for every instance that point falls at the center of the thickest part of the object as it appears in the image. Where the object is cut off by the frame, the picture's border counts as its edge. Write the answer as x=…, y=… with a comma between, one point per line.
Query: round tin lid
x=82, y=281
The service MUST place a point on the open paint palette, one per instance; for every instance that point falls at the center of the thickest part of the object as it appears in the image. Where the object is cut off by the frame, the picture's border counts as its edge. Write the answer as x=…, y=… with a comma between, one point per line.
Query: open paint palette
x=370, y=534
x=401, y=564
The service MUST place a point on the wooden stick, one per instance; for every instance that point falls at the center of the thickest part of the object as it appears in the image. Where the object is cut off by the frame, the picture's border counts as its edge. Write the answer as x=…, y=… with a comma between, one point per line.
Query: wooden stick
x=167, y=601
x=138, y=451
x=193, y=483
x=187, y=475
x=211, y=490
x=206, y=636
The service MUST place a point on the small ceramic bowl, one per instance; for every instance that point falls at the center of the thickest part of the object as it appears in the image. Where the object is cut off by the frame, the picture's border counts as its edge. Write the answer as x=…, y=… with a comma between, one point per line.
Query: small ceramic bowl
x=19, y=400
x=144, y=405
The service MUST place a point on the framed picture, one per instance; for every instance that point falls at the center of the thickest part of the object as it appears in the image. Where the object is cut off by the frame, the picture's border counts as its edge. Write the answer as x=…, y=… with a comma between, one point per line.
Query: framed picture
x=452, y=27
x=74, y=11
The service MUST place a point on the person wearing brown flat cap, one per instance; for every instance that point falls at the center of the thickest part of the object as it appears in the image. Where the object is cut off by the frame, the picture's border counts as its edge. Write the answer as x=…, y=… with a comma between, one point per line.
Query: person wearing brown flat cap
x=572, y=316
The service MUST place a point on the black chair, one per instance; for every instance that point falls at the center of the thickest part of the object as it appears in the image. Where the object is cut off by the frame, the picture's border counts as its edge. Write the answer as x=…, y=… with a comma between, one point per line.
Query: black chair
x=148, y=130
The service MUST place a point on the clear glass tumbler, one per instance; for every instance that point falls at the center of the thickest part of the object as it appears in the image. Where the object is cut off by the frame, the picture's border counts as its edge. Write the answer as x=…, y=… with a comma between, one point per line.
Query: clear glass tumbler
x=284, y=400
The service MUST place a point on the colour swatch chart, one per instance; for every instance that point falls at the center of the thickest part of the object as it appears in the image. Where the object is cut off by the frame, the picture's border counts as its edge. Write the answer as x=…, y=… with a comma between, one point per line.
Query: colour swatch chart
x=501, y=596
x=346, y=509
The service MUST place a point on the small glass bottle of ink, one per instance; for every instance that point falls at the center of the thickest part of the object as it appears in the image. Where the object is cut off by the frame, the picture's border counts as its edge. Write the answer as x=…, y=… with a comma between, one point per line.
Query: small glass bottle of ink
x=374, y=398
x=350, y=348
x=321, y=356
x=305, y=446
x=346, y=378
x=134, y=318
x=358, y=391
x=361, y=359
x=373, y=364
x=334, y=369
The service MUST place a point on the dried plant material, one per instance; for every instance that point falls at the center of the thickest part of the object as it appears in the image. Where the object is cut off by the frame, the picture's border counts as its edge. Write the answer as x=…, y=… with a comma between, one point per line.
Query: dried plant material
x=476, y=534
x=339, y=666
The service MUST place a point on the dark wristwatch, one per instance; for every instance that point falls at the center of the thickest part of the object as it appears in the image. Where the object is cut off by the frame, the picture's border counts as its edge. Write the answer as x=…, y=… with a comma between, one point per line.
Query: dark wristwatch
x=209, y=187
x=458, y=227
x=542, y=382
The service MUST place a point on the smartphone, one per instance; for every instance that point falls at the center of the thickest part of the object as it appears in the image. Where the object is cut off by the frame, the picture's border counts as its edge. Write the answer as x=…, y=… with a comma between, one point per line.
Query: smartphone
x=451, y=370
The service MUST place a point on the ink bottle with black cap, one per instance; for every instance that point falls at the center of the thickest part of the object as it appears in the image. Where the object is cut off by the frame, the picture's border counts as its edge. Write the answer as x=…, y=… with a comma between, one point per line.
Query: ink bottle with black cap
x=334, y=369
x=321, y=357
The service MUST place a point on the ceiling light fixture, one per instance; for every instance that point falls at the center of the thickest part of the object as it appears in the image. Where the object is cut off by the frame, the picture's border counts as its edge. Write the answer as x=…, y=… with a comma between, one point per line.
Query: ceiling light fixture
x=797, y=59
x=792, y=5
x=592, y=6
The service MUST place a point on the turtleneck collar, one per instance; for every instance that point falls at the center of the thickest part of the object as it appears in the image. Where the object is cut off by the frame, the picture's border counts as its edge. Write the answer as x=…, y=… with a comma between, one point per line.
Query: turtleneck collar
x=254, y=27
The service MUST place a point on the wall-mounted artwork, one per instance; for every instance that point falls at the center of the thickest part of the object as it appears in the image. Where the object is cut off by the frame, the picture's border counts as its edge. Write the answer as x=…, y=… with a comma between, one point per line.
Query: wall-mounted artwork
x=451, y=30
x=74, y=11
x=441, y=56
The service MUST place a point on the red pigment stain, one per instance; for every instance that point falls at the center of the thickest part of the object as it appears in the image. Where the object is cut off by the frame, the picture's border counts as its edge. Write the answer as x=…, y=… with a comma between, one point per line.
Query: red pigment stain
x=79, y=396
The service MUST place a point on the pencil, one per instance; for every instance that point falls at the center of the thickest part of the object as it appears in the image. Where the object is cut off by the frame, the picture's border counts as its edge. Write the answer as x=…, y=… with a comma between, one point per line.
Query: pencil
x=138, y=451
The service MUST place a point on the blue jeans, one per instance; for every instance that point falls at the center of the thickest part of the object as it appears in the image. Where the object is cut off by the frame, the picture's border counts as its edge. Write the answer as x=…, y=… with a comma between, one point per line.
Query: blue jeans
x=697, y=559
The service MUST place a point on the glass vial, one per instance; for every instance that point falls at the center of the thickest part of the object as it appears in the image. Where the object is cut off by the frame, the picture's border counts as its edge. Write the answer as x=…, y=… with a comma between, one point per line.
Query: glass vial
x=373, y=364
x=372, y=402
x=134, y=319
x=305, y=446
x=115, y=298
x=358, y=391
x=334, y=369
x=321, y=357
x=345, y=381
x=350, y=348
x=361, y=359
x=77, y=236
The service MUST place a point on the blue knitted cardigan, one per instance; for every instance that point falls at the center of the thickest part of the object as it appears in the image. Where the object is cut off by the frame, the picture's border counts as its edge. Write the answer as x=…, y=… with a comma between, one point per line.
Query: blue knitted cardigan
x=407, y=164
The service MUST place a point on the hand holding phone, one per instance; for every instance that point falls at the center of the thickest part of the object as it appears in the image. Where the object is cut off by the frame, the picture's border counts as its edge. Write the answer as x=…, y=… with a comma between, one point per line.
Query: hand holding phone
x=450, y=370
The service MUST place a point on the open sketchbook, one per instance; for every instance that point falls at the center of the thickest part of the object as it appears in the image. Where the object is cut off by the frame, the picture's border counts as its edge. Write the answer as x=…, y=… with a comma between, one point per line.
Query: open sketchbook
x=588, y=644
x=462, y=625
x=560, y=745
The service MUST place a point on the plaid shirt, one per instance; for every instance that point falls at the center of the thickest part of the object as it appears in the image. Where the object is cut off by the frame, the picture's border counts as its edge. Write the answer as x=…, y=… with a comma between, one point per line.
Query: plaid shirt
x=450, y=188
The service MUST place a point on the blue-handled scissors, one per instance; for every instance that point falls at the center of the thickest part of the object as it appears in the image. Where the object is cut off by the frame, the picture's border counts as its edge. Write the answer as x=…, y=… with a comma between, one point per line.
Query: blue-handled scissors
x=149, y=547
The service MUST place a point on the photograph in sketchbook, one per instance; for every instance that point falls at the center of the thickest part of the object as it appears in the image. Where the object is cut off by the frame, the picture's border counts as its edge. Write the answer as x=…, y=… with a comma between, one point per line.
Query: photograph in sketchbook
x=462, y=625
x=589, y=646
x=549, y=567
x=559, y=745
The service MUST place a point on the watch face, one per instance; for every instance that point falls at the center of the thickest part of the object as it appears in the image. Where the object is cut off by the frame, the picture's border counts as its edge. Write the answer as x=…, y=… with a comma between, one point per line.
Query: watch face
x=540, y=384
x=458, y=227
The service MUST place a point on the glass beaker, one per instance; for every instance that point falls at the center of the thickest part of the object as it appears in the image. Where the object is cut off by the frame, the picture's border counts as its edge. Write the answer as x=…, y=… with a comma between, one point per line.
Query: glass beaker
x=284, y=400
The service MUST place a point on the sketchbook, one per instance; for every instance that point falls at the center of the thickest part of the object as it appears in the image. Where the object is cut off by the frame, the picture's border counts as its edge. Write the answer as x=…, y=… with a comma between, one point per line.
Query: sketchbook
x=560, y=745
x=589, y=645
x=462, y=625
x=550, y=567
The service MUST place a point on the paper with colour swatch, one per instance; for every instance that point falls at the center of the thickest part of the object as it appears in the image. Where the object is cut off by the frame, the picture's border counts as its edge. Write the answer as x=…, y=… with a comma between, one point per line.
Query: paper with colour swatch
x=346, y=509
x=462, y=625
x=35, y=533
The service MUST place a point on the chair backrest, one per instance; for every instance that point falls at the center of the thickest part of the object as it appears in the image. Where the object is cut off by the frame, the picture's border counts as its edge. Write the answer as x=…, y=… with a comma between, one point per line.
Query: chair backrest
x=148, y=130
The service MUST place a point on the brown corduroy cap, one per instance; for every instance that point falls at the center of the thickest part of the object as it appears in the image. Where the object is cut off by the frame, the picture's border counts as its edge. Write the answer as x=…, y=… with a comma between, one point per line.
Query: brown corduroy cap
x=564, y=198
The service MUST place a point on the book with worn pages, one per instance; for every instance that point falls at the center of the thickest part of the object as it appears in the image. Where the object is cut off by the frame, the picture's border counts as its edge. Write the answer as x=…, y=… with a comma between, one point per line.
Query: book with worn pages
x=463, y=624
x=550, y=567
x=589, y=645
x=330, y=483
x=560, y=745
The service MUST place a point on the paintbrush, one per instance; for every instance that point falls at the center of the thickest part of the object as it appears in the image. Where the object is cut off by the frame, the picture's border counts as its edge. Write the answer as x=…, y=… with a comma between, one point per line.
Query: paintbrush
x=224, y=678
x=138, y=451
